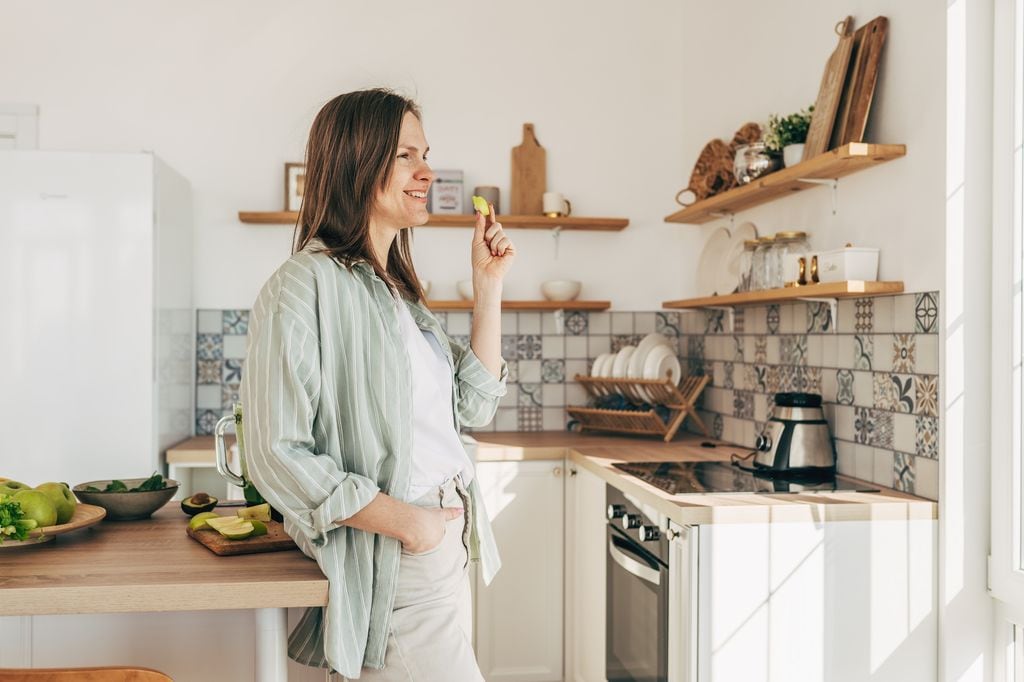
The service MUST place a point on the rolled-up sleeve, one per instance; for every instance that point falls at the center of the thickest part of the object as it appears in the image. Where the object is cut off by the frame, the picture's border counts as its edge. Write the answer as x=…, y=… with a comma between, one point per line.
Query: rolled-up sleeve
x=477, y=389
x=280, y=394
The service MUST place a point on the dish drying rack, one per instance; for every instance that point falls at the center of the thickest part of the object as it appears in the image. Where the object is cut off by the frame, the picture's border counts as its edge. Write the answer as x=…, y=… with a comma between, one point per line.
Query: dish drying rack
x=660, y=392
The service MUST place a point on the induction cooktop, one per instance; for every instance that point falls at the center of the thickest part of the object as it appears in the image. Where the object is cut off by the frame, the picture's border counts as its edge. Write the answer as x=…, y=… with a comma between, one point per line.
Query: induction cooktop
x=681, y=478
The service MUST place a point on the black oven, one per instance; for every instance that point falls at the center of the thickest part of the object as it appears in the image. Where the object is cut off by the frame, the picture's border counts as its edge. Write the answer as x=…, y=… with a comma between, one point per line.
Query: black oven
x=637, y=594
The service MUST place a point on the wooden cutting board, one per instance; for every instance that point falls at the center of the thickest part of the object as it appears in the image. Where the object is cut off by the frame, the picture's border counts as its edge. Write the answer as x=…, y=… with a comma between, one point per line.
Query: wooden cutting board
x=830, y=92
x=274, y=541
x=860, y=82
x=529, y=175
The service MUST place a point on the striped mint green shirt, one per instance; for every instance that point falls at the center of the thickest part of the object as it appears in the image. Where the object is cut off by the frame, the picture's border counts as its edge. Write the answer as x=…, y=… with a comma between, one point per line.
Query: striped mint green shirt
x=328, y=424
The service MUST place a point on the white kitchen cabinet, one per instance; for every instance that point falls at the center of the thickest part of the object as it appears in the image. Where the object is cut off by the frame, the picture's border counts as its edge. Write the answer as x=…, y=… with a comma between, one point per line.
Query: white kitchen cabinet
x=519, y=615
x=810, y=601
x=683, y=570
x=585, y=568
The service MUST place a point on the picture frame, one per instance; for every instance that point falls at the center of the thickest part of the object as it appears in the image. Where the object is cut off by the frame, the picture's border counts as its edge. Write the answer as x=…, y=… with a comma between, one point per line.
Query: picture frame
x=294, y=185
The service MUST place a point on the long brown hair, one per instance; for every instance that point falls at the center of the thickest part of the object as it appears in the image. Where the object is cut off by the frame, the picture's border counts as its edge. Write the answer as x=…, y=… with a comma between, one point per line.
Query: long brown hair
x=349, y=156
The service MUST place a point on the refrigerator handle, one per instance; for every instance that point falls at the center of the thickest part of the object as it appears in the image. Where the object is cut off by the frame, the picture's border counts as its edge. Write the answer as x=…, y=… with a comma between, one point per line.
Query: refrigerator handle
x=222, y=451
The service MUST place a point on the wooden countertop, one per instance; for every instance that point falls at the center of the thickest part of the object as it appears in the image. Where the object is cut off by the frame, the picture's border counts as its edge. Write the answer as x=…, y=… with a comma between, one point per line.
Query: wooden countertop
x=597, y=454
x=151, y=565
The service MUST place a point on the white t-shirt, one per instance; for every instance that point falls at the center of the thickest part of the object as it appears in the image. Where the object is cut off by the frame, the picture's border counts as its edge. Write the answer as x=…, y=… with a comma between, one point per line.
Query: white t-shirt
x=437, y=452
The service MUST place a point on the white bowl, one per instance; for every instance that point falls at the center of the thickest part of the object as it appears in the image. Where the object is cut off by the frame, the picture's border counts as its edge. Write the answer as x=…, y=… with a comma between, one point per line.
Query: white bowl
x=561, y=289
x=465, y=289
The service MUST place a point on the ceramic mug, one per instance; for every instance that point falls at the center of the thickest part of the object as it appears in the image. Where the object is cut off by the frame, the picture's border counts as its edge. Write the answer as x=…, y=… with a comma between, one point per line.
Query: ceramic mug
x=555, y=205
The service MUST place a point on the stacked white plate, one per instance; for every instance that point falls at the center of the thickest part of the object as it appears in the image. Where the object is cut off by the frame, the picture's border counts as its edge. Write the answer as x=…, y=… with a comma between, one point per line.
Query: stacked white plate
x=652, y=358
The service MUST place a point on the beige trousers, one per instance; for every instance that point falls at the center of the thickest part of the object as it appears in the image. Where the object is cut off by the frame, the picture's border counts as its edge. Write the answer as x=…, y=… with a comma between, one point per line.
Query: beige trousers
x=431, y=637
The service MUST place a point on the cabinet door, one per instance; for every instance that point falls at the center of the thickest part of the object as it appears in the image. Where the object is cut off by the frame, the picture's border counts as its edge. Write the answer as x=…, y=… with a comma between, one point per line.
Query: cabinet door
x=683, y=604
x=519, y=615
x=585, y=567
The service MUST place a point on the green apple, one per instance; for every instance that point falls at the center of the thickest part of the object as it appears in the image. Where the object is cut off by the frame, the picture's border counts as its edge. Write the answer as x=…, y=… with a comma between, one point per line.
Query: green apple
x=37, y=505
x=62, y=498
x=9, y=487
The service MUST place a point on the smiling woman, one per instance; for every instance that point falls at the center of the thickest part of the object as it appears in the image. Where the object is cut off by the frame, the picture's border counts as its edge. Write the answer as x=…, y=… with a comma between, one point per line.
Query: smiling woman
x=354, y=395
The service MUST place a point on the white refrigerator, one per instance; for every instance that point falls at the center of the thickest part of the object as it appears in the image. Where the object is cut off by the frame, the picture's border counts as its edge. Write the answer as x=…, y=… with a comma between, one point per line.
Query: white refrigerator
x=96, y=321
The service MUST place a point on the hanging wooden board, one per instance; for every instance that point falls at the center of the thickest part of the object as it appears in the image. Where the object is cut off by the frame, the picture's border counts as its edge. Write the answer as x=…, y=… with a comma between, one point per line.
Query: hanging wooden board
x=861, y=79
x=829, y=94
x=529, y=175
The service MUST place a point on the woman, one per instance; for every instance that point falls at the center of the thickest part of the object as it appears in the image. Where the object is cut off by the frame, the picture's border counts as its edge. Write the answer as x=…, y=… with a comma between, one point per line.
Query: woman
x=354, y=396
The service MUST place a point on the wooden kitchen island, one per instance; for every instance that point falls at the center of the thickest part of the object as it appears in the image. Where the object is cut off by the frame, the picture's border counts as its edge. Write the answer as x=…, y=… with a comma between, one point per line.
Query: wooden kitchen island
x=153, y=566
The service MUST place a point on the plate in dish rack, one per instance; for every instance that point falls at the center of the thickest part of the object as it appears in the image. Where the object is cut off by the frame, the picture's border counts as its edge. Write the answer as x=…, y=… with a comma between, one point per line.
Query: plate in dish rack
x=662, y=363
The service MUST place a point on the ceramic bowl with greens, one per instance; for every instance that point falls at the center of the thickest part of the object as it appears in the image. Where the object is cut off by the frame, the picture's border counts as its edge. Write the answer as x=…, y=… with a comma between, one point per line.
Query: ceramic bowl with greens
x=128, y=499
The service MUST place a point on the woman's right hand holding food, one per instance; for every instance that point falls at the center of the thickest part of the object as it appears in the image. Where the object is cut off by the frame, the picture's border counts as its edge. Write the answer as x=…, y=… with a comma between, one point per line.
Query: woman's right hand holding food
x=427, y=528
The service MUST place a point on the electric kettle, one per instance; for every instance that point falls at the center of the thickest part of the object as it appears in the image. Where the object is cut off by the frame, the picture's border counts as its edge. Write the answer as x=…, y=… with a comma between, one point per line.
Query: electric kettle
x=796, y=441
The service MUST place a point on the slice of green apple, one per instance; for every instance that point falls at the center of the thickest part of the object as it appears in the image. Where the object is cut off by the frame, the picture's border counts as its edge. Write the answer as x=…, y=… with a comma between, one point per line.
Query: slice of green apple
x=480, y=204
x=260, y=512
x=199, y=521
x=237, y=531
x=222, y=521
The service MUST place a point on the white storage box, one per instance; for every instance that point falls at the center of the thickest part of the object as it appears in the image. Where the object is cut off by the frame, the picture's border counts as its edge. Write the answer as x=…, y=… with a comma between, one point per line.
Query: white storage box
x=849, y=263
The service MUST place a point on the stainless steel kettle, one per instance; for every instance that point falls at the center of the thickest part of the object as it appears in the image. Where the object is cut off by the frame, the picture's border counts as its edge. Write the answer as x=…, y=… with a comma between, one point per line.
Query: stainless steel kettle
x=796, y=441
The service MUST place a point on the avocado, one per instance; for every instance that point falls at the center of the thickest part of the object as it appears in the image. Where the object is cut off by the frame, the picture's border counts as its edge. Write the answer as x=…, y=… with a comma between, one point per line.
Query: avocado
x=200, y=502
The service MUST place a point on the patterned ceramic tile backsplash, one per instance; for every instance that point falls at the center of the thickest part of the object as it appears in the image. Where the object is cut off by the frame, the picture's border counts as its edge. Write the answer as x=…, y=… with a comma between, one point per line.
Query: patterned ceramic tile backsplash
x=877, y=372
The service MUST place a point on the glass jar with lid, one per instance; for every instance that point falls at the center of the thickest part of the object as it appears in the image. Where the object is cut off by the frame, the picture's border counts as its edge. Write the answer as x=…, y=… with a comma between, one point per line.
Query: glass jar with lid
x=759, y=275
x=747, y=263
x=789, y=247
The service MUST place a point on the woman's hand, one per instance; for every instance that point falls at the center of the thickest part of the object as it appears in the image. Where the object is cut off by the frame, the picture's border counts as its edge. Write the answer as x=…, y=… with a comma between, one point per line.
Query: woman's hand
x=492, y=252
x=427, y=530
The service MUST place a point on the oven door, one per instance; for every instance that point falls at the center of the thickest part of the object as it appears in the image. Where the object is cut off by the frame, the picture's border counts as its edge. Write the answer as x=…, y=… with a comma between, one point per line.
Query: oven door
x=637, y=612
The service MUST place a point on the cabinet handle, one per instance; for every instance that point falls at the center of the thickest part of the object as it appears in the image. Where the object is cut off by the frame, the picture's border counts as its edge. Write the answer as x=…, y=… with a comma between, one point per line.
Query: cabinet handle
x=557, y=471
x=572, y=472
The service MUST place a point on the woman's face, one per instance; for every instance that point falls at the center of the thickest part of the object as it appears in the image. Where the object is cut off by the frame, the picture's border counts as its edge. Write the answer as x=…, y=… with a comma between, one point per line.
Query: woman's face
x=403, y=201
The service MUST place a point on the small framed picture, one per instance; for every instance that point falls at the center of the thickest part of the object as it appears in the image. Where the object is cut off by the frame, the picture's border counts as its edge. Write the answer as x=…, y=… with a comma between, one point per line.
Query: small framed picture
x=294, y=184
x=445, y=192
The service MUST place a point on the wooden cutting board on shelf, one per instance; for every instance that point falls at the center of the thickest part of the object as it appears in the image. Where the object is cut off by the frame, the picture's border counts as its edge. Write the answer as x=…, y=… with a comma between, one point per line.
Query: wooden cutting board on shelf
x=529, y=175
x=861, y=79
x=830, y=92
x=275, y=540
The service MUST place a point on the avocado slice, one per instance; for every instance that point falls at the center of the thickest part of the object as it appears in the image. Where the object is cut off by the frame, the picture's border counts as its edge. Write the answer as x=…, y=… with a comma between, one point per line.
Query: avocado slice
x=200, y=502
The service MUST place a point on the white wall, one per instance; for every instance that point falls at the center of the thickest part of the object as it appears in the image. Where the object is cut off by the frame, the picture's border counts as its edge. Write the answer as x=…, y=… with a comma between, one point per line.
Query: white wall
x=226, y=92
x=745, y=60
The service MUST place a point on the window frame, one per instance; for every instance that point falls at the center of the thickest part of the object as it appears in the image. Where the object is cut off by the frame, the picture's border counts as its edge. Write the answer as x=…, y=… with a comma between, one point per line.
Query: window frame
x=1006, y=562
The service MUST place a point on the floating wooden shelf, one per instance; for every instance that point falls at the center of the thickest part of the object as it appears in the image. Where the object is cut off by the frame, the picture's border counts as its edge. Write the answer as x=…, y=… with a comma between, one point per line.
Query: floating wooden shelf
x=535, y=222
x=831, y=165
x=525, y=305
x=851, y=289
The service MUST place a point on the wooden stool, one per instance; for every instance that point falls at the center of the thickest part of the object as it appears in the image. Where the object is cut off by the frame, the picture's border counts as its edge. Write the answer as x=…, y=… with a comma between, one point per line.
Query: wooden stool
x=105, y=674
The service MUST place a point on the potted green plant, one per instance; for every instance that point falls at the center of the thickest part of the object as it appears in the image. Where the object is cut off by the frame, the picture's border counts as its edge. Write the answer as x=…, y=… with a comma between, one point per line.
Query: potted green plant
x=787, y=134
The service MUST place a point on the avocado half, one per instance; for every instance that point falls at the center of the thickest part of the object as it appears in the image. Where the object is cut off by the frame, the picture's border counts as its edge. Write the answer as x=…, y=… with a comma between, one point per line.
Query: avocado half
x=200, y=502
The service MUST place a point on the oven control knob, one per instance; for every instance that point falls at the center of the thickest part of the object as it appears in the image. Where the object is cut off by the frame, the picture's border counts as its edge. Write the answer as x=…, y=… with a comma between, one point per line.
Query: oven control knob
x=616, y=511
x=763, y=443
x=630, y=521
x=648, y=533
